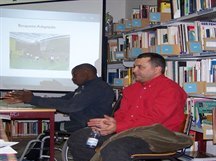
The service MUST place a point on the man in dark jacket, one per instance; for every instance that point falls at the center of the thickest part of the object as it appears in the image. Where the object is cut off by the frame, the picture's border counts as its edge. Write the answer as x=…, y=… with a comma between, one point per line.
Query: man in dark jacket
x=93, y=98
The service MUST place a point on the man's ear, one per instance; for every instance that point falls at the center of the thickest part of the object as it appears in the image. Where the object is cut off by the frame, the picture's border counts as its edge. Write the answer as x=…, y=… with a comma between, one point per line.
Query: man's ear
x=158, y=69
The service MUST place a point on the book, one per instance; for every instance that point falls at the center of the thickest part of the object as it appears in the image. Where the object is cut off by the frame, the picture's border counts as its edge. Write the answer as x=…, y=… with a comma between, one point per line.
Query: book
x=173, y=35
x=213, y=70
x=203, y=110
x=176, y=11
x=165, y=7
x=191, y=109
x=191, y=33
x=205, y=30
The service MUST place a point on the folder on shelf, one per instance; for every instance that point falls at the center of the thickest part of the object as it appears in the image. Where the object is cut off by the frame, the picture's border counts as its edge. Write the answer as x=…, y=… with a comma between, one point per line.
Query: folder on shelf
x=195, y=47
x=210, y=44
x=128, y=24
x=195, y=87
x=137, y=23
x=155, y=16
x=134, y=52
x=118, y=82
x=210, y=89
x=168, y=49
x=119, y=55
x=140, y=23
x=119, y=27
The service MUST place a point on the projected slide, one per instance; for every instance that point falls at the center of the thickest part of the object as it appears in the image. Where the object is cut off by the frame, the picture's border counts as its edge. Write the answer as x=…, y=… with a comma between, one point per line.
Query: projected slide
x=39, y=51
x=39, y=48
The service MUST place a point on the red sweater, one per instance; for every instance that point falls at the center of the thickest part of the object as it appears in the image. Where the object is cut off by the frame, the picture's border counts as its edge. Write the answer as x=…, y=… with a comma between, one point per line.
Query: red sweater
x=160, y=100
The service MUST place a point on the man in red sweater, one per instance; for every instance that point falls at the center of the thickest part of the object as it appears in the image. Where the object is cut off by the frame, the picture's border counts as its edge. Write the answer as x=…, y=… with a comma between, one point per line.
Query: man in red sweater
x=153, y=98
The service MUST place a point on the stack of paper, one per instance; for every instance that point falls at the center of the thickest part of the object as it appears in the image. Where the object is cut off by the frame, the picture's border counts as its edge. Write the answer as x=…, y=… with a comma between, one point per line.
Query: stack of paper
x=5, y=147
x=5, y=117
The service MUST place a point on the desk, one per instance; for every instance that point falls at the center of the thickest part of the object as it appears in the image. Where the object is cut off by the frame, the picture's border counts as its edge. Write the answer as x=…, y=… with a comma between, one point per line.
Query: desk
x=199, y=139
x=34, y=114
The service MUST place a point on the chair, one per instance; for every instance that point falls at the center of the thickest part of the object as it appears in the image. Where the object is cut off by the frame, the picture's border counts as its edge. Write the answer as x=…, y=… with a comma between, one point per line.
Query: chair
x=66, y=156
x=116, y=105
x=33, y=149
x=173, y=156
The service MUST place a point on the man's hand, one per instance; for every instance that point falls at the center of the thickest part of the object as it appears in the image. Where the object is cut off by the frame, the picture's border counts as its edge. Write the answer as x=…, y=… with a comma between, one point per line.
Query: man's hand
x=18, y=96
x=105, y=126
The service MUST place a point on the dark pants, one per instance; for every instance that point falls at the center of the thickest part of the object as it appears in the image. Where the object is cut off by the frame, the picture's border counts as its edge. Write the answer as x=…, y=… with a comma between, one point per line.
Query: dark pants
x=69, y=126
x=118, y=150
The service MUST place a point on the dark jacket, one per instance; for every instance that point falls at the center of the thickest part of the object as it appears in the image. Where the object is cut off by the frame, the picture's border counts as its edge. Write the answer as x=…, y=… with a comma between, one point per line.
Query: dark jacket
x=91, y=100
x=159, y=138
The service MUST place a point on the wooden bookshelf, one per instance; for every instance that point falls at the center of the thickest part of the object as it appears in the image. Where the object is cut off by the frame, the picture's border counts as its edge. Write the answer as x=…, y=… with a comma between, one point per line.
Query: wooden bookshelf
x=191, y=59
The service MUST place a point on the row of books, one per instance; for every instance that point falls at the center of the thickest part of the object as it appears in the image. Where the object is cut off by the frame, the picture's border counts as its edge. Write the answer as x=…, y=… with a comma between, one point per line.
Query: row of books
x=143, y=11
x=201, y=110
x=201, y=72
x=144, y=16
x=185, y=7
x=120, y=77
x=179, y=38
x=192, y=71
x=25, y=128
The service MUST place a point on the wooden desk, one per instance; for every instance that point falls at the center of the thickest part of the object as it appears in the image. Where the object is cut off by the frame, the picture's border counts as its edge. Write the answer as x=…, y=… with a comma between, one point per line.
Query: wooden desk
x=34, y=114
x=5, y=157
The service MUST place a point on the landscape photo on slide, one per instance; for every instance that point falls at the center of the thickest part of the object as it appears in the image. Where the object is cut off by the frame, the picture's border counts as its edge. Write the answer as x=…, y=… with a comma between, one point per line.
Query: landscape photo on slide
x=39, y=51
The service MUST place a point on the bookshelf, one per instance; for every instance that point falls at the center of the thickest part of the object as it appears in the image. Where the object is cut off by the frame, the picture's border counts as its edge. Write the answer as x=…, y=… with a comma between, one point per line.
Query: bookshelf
x=172, y=38
x=188, y=43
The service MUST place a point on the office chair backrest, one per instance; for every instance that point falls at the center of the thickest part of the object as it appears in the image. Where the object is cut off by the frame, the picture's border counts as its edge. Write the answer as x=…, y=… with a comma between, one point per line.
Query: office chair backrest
x=188, y=124
x=116, y=105
x=187, y=128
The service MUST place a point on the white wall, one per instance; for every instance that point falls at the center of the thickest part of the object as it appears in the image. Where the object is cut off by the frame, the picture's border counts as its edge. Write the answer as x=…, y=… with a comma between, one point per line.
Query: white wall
x=20, y=1
x=117, y=8
x=123, y=8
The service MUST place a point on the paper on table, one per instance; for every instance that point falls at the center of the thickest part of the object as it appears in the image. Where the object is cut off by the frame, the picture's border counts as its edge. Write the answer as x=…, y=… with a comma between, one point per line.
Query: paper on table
x=61, y=117
x=7, y=150
x=5, y=147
